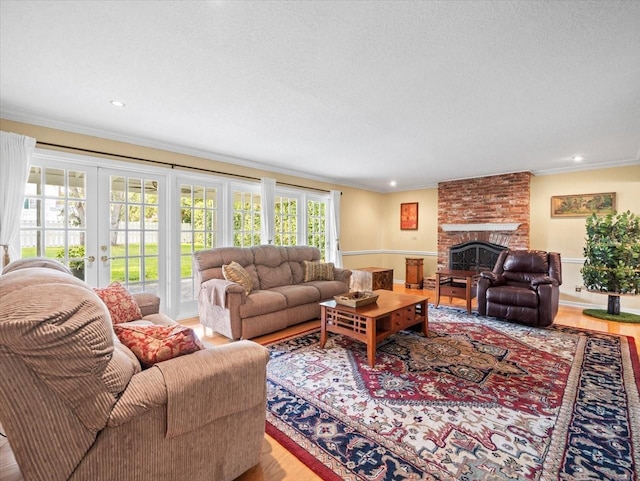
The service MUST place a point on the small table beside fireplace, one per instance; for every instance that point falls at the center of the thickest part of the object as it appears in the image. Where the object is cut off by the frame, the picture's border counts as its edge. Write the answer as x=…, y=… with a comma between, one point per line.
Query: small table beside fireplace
x=457, y=283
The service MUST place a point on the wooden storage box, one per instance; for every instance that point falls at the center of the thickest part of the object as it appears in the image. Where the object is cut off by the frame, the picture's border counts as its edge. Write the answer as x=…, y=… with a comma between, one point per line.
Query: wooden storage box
x=371, y=279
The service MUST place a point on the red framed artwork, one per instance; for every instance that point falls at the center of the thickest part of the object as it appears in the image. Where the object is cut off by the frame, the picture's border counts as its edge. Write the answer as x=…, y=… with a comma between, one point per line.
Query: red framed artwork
x=409, y=216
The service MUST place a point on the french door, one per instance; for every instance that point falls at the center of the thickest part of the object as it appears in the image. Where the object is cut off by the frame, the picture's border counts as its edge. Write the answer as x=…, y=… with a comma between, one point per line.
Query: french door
x=106, y=225
x=131, y=240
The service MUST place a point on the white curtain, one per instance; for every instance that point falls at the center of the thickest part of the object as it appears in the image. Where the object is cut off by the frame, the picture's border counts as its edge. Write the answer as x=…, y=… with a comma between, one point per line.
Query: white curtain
x=15, y=159
x=335, y=254
x=268, y=201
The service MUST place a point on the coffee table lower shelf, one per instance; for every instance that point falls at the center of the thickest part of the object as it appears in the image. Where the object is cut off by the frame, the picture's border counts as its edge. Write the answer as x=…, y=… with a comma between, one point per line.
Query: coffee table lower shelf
x=371, y=324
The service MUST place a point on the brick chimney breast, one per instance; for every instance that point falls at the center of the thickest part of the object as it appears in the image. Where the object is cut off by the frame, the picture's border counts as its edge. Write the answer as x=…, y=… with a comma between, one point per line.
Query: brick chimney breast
x=484, y=200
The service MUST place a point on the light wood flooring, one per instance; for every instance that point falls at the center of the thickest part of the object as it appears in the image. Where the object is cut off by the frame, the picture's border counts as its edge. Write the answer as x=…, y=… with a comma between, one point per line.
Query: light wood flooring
x=278, y=464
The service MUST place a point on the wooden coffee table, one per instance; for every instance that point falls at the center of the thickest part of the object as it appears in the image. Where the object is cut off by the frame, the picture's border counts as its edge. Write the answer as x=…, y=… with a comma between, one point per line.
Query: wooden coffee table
x=458, y=284
x=372, y=323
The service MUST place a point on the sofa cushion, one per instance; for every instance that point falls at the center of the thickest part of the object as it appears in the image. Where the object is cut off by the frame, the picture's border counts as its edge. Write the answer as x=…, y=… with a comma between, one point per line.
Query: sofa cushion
x=328, y=289
x=297, y=295
x=152, y=344
x=271, y=277
x=121, y=304
x=318, y=271
x=512, y=296
x=297, y=255
x=234, y=272
x=262, y=302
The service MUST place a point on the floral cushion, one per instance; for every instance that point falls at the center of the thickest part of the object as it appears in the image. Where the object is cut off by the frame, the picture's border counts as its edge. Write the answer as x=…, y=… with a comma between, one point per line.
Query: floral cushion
x=152, y=344
x=234, y=272
x=318, y=271
x=121, y=304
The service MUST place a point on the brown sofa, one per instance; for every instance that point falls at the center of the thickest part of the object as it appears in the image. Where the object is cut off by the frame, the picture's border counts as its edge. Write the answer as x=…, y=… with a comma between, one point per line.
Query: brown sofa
x=75, y=404
x=524, y=286
x=279, y=296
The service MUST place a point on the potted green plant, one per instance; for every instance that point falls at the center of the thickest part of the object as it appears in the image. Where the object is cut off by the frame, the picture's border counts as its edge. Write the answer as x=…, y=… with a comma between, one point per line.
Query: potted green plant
x=76, y=260
x=612, y=257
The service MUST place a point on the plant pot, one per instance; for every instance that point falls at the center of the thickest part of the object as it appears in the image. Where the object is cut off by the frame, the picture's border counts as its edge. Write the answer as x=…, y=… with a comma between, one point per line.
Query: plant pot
x=79, y=273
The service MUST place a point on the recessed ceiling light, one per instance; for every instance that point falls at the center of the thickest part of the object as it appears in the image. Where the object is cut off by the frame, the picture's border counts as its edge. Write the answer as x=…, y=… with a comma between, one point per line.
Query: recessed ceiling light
x=577, y=158
x=117, y=103
x=392, y=183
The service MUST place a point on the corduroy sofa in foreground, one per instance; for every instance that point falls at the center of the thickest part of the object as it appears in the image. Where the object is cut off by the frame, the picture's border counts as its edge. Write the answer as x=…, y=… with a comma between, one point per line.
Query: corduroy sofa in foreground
x=283, y=286
x=75, y=404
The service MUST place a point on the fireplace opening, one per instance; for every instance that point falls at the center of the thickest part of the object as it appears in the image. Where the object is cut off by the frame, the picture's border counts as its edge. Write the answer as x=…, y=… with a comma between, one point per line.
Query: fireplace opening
x=474, y=256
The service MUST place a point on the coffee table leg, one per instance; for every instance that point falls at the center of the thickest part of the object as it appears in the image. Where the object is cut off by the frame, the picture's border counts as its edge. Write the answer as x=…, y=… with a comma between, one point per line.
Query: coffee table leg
x=371, y=341
x=323, y=326
x=468, y=295
x=425, y=323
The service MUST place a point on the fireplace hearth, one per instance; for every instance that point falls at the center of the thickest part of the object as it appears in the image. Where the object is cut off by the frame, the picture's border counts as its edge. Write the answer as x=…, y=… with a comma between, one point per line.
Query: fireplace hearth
x=474, y=256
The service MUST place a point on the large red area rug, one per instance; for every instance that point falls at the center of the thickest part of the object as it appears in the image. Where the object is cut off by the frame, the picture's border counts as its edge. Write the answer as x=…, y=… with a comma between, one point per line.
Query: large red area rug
x=479, y=399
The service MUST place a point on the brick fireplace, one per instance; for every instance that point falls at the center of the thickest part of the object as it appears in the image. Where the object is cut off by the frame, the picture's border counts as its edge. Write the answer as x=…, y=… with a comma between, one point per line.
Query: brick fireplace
x=491, y=209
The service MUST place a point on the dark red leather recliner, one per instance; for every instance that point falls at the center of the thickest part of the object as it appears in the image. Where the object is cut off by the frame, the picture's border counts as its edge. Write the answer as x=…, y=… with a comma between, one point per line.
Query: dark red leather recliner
x=524, y=286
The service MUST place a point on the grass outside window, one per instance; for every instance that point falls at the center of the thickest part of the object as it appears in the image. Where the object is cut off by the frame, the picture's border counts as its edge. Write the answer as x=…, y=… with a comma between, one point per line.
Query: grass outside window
x=118, y=267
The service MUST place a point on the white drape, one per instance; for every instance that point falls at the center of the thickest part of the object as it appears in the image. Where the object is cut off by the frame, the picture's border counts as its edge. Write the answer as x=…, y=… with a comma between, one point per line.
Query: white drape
x=268, y=201
x=15, y=159
x=335, y=254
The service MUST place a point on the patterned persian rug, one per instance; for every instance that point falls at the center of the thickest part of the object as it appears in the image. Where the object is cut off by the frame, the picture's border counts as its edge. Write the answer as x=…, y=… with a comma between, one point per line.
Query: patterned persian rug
x=478, y=399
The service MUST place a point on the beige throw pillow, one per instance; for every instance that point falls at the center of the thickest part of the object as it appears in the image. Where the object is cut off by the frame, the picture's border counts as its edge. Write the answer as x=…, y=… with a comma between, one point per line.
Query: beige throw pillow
x=234, y=272
x=318, y=271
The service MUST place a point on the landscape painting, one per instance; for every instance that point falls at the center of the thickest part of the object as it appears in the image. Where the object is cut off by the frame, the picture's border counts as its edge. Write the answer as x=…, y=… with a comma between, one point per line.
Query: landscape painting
x=582, y=205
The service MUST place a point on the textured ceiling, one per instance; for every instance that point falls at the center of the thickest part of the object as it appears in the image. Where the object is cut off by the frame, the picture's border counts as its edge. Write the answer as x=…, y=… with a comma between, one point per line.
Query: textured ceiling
x=355, y=92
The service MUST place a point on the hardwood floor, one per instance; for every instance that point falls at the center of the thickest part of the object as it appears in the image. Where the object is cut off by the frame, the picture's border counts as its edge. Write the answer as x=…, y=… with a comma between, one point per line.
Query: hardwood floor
x=278, y=464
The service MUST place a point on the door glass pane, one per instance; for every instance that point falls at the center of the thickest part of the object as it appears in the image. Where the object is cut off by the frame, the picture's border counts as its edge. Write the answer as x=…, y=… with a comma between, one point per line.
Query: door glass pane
x=53, y=220
x=198, y=220
x=134, y=227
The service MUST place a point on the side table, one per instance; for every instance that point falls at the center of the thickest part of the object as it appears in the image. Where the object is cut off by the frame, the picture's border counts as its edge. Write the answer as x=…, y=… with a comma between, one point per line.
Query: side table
x=371, y=279
x=414, y=276
x=458, y=284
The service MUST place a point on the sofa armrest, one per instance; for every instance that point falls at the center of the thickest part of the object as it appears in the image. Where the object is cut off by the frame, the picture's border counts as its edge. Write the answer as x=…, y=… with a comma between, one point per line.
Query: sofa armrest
x=341, y=274
x=536, y=281
x=493, y=278
x=149, y=303
x=217, y=291
x=145, y=392
x=197, y=388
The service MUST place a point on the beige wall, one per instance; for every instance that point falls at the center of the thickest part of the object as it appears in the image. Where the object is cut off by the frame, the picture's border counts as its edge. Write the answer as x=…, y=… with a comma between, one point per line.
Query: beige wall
x=370, y=221
x=567, y=234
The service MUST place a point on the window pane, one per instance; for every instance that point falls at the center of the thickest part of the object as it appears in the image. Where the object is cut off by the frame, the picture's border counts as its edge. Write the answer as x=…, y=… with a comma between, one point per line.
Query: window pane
x=76, y=182
x=151, y=192
x=134, y=190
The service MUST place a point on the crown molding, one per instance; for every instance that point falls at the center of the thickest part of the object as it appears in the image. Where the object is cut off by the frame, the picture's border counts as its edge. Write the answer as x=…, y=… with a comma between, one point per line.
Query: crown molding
x=166, y=146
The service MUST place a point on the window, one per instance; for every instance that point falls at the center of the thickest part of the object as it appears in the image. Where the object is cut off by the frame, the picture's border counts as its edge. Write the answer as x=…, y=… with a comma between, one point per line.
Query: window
x=246, y=219
x=286, y=221
x=140, y=225
x=317, y=226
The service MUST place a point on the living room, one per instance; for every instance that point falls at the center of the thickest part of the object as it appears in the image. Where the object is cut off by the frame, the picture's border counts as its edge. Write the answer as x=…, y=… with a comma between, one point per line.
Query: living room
x=537, y=163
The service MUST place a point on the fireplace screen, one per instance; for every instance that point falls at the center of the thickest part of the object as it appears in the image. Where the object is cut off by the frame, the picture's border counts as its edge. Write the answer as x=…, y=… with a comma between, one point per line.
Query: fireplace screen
x=474, y=256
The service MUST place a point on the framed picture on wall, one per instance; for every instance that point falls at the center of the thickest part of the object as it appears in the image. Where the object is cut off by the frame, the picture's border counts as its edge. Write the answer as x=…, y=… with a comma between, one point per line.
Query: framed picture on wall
x=409, y=216
x=582, y=205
